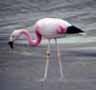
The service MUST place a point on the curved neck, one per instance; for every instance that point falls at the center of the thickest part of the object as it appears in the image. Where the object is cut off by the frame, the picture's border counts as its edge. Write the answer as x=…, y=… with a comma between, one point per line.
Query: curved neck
x=32, y=42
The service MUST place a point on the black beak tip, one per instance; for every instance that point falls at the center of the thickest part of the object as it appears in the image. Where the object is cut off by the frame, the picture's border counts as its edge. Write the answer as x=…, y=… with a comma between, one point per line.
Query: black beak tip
x=10, y=43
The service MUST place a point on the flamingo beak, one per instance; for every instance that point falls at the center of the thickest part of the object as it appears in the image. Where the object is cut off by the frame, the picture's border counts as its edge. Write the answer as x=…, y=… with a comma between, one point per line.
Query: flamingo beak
x=10, y=43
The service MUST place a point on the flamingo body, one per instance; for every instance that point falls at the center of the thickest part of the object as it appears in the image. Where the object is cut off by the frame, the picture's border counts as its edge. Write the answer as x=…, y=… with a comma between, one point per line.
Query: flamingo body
x=48, y=28
x=51, y=27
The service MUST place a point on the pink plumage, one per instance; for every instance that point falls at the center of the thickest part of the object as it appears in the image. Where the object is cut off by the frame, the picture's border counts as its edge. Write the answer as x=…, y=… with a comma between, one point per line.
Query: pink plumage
x=48, y=28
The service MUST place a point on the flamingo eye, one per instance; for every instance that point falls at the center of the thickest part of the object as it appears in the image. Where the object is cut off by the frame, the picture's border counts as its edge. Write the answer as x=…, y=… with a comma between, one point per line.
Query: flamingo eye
x=13, y=36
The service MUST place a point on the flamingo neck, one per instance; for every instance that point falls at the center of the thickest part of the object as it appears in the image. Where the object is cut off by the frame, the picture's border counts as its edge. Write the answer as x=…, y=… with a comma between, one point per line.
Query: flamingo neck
x=32, y=42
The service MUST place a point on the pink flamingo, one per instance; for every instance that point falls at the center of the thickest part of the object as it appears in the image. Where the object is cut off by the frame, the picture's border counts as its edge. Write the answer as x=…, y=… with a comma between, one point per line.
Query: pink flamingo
x=49, y=28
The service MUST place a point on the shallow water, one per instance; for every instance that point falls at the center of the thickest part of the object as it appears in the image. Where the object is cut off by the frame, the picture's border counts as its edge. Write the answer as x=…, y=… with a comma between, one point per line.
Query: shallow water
x=23, y=67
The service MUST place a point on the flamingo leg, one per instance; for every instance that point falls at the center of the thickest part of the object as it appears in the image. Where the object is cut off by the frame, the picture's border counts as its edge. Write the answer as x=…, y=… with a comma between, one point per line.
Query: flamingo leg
x=47, y=62
x=59, y=60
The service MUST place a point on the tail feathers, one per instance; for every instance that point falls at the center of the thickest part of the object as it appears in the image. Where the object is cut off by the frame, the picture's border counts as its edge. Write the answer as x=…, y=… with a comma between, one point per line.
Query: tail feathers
x=74, y=30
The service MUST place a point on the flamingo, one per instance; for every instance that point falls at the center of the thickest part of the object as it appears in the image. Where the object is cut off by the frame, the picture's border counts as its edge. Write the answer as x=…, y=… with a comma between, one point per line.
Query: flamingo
x=49, y=28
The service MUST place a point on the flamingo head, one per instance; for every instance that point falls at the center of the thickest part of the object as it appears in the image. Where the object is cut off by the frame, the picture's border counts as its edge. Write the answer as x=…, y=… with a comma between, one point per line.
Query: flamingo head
x=13, y=37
